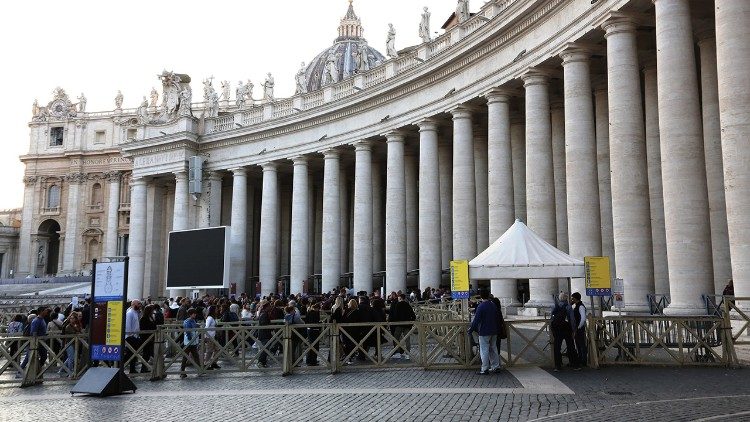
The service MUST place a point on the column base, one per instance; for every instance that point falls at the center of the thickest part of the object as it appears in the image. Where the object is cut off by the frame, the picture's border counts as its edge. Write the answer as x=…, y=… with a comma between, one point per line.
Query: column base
x=539, y=303
x=684, y=310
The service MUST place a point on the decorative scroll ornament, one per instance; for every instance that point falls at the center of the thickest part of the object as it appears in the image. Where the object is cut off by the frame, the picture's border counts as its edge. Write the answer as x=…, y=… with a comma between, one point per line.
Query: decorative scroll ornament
x=30, y=180
x=76, y=177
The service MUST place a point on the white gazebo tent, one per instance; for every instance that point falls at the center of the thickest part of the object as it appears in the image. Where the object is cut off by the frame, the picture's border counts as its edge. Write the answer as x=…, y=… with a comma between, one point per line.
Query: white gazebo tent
x=521, y=253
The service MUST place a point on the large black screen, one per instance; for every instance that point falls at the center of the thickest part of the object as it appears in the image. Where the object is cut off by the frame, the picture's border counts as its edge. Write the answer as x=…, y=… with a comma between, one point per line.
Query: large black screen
x=197, y=258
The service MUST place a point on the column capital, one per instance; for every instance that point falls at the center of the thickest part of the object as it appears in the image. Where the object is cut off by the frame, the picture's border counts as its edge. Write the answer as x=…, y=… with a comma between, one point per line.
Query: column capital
x=137, y=181
x=113, y=176
x=239, y=171
x=461, y=111
x=362, y=145
x=618, y=22
x=270, y=166
x=180, y=174
x=536, y=76
x=500, y=95
x=330, y=153
x=574, y=53
x=299, y=160
x=428, y=125
x=395, y=136
x=214, y=176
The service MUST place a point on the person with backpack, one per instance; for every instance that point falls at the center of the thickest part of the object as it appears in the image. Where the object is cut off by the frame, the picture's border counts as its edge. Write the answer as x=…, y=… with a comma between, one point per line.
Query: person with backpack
x=561, y=324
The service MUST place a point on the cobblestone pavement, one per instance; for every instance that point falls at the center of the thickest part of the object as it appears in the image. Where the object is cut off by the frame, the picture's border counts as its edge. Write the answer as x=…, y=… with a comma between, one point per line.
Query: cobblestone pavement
x=523, y=394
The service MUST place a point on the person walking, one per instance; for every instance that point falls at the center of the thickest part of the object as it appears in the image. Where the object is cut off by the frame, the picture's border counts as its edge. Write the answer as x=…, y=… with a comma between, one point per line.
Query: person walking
x=579, y=318
x=148, y=324
x=15, y=329
x=264, y=334
x=71, y=326
x=210, y=347
x=132, y=336
x=502, y=332
x=562, y=324
x=485, y=323
x=190, y=342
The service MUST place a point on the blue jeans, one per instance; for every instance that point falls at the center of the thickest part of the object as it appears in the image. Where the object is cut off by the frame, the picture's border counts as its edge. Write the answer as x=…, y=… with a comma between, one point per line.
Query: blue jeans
x=488, y=352
x=70, y=359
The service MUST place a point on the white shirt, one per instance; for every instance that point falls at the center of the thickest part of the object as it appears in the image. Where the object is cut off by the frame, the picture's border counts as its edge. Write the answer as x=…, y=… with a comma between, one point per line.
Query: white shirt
x=132, y=324
x=210, y=323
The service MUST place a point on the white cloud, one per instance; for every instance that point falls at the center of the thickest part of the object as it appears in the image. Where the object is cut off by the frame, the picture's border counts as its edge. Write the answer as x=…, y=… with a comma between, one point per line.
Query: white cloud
x=98, y=47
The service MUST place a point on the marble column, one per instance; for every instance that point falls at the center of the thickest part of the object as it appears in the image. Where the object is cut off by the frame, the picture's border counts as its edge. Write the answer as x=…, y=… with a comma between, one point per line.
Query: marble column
x=378, y=231
x=481, y=183
x=27, y=263
x=362, y=230
x=582, y=190
x=464, y=187
x=445, y=168
x=181, y=204
x=429, y=206
x=395, y=215
x=269, y=230
x=714, y=163
x=500, y=200
x=540, y=183
x=344, y=219
x=733, y=58
x=557, y=122
x=214, y=200
x=601, y=111
x=137, y=238
x=71, y=224
x=518, y=157
x=411, y=198
x=686, y=215
x=113, y=214
x=318, y=253
x=656, y=193
x=300, y=236
x=238, y=231
x=631, y=213
x=331, y=225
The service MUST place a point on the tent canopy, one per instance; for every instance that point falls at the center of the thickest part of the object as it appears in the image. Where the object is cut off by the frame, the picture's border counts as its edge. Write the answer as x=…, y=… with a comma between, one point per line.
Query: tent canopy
x=521, y=253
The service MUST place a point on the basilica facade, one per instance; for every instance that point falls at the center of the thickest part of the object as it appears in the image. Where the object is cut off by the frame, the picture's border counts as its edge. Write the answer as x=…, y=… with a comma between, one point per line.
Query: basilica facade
x=614, y=127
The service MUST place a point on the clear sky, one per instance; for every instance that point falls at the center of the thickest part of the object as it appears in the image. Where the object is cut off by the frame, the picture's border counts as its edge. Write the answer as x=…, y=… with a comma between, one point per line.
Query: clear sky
x=99, y=46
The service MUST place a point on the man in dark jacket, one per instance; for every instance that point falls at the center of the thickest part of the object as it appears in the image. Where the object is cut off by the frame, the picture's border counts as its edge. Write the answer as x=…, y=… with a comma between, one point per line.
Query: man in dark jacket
x=264, y=335
x=562, y=324
x=485, y=323
x=401, y=311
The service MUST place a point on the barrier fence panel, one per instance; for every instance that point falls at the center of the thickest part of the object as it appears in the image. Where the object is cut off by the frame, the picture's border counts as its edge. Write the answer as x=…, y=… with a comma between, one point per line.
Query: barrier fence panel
x=736, y=311
x=658, y=340
x=528, y=342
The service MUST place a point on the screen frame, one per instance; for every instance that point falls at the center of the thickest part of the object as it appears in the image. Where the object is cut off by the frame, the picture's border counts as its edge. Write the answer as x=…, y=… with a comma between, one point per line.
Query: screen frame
x=227, y=254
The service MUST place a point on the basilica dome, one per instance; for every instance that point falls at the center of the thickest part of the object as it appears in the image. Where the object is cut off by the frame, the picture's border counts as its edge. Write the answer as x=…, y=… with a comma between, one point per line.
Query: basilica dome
x=344, y=48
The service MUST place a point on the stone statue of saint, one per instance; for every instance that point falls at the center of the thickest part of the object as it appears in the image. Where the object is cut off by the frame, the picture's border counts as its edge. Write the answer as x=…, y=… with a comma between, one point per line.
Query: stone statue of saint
x=462, y=11
x=268, y=88
x=301, y=80
x=118, y=100
x=226, y=89
x=331, y=71
x=390, y=42
x=35, y=108
x=82, y=103
x=186, y=102
x=361, y=58
x=213, y=104
x=240, y=95
x=154, y=98
x=249, y=86
x=424, y=26
x=208, y=88
x=142, y=112
x=40, y=256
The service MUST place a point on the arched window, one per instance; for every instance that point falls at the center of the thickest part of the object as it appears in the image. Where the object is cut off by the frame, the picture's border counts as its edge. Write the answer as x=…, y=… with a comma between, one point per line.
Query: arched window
x=53, y=196
x=96, y=194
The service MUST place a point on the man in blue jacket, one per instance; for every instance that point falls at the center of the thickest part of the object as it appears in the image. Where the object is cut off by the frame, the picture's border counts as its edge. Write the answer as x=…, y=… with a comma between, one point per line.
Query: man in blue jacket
x=485, y=323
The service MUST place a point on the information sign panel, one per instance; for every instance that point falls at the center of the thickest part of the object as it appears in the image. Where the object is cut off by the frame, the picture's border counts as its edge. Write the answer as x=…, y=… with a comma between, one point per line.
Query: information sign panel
x=598, y=281
x=107, y=314
x=460, y=279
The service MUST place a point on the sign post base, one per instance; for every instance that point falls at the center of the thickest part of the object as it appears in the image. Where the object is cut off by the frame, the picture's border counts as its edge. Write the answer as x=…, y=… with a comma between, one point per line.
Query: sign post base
x=104, y=382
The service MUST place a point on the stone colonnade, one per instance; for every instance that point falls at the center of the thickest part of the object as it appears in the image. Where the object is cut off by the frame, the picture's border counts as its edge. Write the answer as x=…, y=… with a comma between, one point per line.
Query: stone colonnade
x=644, y=176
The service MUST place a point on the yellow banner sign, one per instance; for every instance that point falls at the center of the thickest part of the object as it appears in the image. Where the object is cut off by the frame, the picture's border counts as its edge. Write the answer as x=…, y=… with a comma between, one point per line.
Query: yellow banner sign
x=598, y=281
x=459, y=277
x=113, y=335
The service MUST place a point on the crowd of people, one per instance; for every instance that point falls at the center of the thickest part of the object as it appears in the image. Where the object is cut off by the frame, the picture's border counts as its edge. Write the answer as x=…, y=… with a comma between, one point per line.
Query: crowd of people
x=340, y=306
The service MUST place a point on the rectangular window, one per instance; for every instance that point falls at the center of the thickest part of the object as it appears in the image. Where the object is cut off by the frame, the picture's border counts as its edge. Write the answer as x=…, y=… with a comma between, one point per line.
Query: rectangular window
x=56, y=136
x=100, y=136
x=132, y=133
